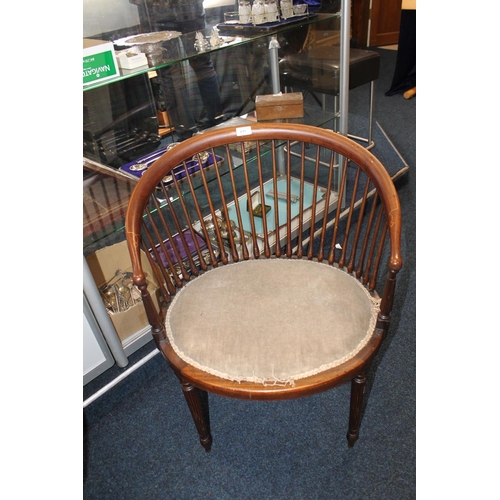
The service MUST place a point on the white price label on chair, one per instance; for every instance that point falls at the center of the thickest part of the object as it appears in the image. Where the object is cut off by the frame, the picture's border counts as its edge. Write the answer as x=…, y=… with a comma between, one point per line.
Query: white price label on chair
x=243, y=131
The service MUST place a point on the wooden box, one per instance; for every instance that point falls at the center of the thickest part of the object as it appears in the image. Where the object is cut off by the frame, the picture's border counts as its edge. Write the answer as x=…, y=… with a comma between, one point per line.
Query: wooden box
x=163, y=120
x=279, y=106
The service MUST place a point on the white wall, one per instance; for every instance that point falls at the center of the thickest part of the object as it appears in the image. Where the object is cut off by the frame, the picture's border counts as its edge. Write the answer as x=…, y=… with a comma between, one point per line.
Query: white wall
x=217, y=3
x=92, y=352
x=100, y=16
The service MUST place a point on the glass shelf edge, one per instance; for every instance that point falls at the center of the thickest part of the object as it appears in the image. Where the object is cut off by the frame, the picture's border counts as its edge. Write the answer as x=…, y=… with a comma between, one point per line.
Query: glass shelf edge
x=234, y=43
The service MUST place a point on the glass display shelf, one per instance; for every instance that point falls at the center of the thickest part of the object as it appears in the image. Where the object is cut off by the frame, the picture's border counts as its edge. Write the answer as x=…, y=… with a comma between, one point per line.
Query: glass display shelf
x=183, y=47
x=107, y=190
x=126, y=116
x=106, y=193
x=115, y=188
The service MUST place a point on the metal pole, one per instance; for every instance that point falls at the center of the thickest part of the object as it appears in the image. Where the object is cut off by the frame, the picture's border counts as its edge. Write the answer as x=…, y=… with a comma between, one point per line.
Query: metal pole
x=120, y=377
x=345, y=35
x=345, y=40
x=370, y=124
x=276, y=88
x=274, y=64
x=108, y=330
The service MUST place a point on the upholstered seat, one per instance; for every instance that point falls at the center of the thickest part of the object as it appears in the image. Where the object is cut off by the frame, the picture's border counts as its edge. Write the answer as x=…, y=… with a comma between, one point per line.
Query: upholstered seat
x=251, y=321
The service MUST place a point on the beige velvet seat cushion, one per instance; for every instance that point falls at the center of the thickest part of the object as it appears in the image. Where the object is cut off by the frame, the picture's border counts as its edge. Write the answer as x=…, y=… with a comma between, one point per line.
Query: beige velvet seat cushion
x=270, y=320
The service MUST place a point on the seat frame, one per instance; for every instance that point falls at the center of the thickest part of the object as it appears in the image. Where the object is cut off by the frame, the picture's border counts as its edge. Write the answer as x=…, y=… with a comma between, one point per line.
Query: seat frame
x=195, y=382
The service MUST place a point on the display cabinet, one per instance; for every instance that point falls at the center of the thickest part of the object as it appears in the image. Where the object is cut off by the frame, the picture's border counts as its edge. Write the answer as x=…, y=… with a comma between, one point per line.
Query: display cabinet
x=130, y=118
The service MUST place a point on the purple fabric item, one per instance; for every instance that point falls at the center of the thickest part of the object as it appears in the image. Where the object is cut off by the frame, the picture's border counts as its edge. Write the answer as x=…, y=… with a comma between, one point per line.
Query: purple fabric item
x=180, y=173
x=180, y=247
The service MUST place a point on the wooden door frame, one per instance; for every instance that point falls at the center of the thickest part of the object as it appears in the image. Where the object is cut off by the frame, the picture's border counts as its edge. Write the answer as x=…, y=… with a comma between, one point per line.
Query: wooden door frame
x=375, y=38
x=360, y=16
x=362, y=25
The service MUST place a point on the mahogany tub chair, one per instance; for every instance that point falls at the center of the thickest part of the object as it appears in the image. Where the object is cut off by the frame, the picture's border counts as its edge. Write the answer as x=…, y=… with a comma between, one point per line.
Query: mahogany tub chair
x=277, y=273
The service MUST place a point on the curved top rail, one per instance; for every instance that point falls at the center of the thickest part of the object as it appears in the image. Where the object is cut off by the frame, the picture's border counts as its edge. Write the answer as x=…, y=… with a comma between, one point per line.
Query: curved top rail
x=267, y=131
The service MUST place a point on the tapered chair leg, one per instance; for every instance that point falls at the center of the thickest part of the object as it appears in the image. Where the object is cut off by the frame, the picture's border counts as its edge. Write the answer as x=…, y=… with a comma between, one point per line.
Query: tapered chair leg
x=358, y=385
x=200, y=415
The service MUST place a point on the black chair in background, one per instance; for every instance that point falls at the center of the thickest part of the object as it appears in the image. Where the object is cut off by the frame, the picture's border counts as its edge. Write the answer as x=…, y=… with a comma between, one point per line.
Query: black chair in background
x=316, y=69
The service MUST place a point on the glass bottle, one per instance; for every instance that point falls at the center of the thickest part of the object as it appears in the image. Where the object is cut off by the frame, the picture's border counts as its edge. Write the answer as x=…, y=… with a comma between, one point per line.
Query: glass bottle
x=244, y=11
x=271, y=10
x=286, y=8
x=258, y=12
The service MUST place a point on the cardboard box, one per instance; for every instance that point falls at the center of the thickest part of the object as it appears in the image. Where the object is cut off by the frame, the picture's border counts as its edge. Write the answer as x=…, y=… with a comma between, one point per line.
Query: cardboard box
x=103, y=265
x=99, y=61
x=279, y=106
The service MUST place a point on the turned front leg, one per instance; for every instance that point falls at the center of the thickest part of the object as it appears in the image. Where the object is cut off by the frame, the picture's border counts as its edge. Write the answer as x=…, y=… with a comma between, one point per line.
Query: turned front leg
x=199, y=413
x=358, y=385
